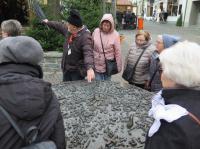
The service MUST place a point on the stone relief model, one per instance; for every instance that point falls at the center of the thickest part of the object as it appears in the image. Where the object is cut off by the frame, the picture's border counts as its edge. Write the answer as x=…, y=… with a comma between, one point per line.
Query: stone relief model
x=104, y=115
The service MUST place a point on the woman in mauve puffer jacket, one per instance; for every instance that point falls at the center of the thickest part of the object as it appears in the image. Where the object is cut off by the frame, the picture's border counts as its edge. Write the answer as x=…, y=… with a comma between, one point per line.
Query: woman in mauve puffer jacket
x=111, y=45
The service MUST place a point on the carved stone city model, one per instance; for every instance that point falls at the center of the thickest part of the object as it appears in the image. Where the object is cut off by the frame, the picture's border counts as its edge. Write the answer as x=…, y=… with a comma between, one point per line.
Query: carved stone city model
x=104, y=115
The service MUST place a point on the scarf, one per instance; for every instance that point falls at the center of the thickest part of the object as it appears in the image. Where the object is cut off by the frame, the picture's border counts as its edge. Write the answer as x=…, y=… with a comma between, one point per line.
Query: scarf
x=159, y=110
x=71, y=37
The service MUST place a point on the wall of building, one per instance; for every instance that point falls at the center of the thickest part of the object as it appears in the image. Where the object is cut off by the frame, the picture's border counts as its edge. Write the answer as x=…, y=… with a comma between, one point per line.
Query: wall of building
x=198, y=18
x=192, y=13
x=198, y=13
x=157, y=5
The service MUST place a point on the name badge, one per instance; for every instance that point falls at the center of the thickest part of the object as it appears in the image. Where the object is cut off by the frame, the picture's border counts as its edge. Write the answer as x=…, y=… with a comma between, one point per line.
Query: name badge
x=69, y=51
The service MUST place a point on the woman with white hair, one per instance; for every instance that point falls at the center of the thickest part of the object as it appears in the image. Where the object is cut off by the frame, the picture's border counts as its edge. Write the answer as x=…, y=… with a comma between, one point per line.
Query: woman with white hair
x=176, y=108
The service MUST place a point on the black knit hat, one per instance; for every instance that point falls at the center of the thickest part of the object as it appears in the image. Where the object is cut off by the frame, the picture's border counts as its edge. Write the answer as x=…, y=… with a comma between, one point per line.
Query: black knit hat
x=74, y=18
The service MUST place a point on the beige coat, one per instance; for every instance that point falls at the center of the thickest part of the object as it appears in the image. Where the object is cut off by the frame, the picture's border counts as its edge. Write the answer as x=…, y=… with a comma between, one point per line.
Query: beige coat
x=142, y=70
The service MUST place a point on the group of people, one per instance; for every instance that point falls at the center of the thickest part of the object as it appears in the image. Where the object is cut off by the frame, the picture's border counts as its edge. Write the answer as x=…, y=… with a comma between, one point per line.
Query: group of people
x=143, y=56
x=84, y=54
x=160, y=16
x=171, y=69
x=126, y=20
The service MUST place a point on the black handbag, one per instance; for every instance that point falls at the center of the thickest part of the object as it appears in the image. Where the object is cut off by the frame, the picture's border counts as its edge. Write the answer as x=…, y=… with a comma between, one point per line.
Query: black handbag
x=111, y=67
x=30, y=136
x=130, y=69
x=111, y=64
x=128, y=73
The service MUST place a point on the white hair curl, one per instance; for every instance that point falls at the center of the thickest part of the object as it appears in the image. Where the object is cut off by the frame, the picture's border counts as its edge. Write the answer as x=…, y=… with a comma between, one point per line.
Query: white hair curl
x=181, y=63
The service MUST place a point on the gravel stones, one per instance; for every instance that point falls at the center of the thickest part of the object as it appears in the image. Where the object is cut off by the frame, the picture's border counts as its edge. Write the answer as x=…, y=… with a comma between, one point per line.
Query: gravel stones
x=103, y=115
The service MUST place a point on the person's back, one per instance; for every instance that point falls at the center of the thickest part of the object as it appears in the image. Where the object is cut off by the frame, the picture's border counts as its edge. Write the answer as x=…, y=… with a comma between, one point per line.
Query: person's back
x=128, y=17
x=175, y=109
x=25, y=96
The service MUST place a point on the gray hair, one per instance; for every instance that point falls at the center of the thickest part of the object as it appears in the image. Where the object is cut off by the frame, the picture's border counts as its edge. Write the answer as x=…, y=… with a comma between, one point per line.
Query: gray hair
x=11, y=27
x=181, y=63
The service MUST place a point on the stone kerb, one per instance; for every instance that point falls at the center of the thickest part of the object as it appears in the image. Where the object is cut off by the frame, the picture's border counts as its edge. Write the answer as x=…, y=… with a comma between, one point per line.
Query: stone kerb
x=52, y=62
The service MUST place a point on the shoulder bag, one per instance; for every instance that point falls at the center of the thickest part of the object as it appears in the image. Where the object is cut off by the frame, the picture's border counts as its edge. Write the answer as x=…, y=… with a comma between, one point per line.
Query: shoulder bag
x=30, y=136
x=130, y=69
x=194, y=118
x=111, y=64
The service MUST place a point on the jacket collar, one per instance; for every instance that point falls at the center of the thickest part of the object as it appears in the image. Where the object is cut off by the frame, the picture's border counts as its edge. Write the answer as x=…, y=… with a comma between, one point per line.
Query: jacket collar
x=26, y=69
x=79, y=33
x=186, y=97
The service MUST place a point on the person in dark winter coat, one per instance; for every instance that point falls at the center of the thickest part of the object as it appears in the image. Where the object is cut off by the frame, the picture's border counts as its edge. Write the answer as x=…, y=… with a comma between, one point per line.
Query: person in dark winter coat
x=78, y=59
x=25, y=96
x=163, y=41
x=176, y=108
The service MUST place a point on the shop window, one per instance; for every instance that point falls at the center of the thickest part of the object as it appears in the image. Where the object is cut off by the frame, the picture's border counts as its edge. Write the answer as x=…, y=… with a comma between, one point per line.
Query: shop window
x=172, y=7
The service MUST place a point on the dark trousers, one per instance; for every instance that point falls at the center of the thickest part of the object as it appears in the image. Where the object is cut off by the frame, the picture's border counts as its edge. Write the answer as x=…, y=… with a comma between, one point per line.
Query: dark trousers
x=72, y=76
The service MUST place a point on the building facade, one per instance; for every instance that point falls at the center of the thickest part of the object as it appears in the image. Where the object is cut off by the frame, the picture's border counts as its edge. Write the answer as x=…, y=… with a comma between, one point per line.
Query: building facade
x=191, y=13
x=189, y=9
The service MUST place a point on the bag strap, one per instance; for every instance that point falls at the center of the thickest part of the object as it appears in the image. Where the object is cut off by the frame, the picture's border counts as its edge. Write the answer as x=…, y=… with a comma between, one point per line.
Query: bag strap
x=154, y=74
x=12, y=122
x=18, y=130
x=137, y=62
x=139, y=59
x=194, y=118
x=133, y=72
x=103, y=46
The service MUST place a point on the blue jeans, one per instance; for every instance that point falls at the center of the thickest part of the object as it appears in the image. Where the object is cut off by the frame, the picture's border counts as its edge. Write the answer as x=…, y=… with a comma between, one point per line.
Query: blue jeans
x=72, y=76
x=102, y=76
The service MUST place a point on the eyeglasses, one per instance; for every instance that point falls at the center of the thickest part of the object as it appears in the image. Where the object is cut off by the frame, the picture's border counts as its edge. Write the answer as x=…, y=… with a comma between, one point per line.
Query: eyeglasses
x=159, y=42
x=140, y=40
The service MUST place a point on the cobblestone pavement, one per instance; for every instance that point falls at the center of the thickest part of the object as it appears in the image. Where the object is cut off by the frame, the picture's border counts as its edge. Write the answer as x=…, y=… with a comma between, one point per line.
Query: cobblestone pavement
x=186, y=33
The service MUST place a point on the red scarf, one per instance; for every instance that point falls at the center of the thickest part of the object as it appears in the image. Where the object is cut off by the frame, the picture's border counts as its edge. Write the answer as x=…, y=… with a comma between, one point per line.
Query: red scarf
x=71, y=37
